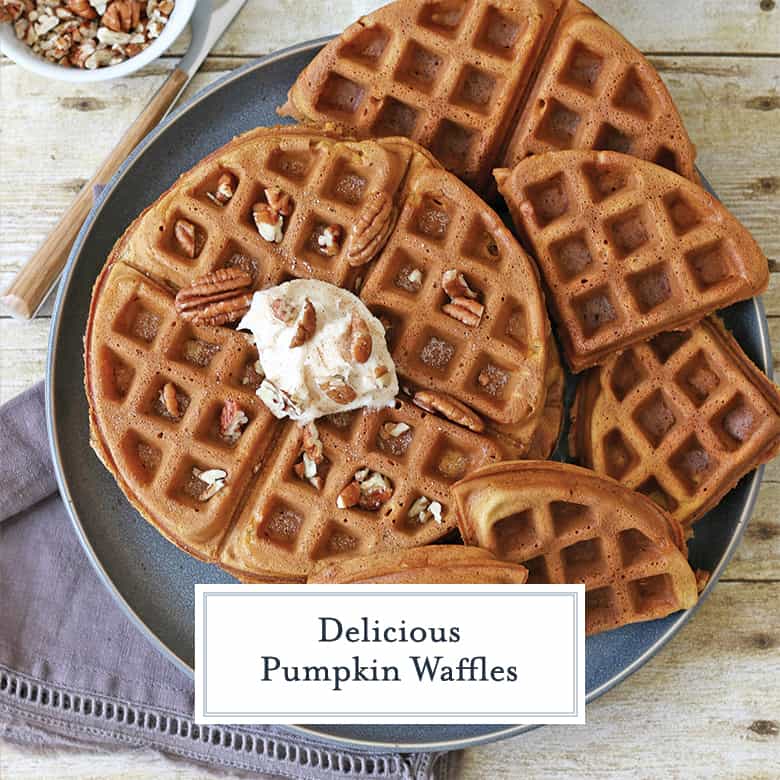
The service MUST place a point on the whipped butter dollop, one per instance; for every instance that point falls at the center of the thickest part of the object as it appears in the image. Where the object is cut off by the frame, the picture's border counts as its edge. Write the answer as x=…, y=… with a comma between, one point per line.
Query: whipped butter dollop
x=321, y=351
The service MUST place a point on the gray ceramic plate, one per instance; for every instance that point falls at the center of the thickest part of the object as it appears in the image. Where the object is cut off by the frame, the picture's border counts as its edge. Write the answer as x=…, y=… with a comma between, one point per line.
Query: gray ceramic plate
x=151, y=579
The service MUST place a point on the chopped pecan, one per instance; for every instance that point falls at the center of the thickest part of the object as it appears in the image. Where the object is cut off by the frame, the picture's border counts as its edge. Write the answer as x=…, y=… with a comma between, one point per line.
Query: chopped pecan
x=226, y=188
x=392, y=430
x=231, y=421
x=465, y=310
x=311, y=443
x=269, y=222
x=329, y=240
x=186, y=237
x=216, y=298
x=279, y=200
x=375, y=489
x=357, y=343
x=307, y=324
x=278, y=401
x=81, y=8
x=349, y=496
x=454, y=283
x=423, y=509
x=449, y=407
x=213, y=479
x=337, y=389
x=284, y=311
x=170, y=400
x=373, y=227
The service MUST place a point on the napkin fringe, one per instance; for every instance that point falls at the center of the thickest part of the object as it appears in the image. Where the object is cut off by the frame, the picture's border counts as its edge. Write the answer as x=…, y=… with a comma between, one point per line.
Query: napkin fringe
x=99, y=719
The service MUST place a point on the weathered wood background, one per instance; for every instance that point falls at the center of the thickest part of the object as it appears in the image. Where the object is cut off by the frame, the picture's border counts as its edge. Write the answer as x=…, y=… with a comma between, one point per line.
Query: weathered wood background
x=708, y=705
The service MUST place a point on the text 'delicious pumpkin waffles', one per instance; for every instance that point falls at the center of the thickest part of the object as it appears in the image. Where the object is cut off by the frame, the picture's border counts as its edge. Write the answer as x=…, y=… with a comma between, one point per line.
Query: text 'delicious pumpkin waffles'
x=433, y=565
x=627, y=248
x=681, y=418
x=483, y=83
x=184, y=417
x=566, y=524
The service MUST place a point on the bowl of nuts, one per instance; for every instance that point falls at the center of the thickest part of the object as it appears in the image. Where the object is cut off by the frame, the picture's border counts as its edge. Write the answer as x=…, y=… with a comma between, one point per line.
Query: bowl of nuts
x=89, y=40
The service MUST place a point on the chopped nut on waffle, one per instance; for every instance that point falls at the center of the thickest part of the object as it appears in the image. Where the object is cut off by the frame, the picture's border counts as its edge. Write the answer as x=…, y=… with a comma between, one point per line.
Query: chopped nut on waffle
x=680, y=419
x=566, y=524
x=176, y=391
x=432, y=565
x=485, y=83
x=627, y=248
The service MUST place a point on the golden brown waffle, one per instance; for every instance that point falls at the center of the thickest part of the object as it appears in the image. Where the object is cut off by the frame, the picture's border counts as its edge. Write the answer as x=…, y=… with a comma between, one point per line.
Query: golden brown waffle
x=482, y=83
x=566, y=524
x=434, y=565
x=263, y=521
x=595, y=90
x=627, y=249
x=681, y=418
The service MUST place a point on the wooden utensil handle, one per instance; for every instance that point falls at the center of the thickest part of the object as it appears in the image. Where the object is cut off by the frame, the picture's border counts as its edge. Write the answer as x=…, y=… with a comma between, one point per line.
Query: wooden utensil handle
x=31, y=284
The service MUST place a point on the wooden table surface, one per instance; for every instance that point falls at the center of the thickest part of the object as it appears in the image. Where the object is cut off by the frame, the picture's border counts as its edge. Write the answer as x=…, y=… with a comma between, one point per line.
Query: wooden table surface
x=707, y=705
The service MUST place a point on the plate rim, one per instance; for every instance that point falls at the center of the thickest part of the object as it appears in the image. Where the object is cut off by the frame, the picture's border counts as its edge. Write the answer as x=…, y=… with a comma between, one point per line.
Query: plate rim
x=64, y=285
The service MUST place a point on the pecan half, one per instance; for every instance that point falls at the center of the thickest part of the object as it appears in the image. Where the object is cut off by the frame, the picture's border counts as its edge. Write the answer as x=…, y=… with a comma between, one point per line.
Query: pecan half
x=186, y=237
x=122, y=15
x=279, y=200
x=307, y=324
x=373, y=227
x=449, y=407
x=465, y=310
x=454, y=283
x=216, y=298
x=338, y=390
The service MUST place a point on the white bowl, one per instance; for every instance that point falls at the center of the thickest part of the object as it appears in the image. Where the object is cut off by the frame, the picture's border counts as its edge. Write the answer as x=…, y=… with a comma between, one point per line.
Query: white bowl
x=24, y=56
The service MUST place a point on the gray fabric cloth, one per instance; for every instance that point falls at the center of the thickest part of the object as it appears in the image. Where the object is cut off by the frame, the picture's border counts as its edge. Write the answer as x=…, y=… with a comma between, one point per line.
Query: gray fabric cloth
x=75, y=672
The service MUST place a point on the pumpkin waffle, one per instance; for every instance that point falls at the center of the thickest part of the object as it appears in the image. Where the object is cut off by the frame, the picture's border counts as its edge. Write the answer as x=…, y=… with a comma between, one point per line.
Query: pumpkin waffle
x=482, y=83
x=681, y=418
x=566, y=524
x=627, y=248
x=219, y=475
x=433, y=565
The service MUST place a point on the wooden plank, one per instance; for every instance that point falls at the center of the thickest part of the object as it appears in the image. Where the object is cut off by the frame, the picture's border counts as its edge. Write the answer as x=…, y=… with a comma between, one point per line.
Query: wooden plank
x=699, y=26
x=706, y=706
x=41, y=171
x=729, y=104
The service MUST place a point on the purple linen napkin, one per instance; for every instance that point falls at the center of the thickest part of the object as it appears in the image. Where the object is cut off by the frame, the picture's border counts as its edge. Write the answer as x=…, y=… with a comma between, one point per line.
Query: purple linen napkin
x=75, y=672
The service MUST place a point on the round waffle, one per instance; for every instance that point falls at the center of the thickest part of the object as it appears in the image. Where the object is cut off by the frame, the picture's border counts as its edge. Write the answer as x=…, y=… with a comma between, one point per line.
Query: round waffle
x=160, y=382
x=627, y=248
x=680, y=419
x=434, y=565
x=566, y=524
x=483, y=83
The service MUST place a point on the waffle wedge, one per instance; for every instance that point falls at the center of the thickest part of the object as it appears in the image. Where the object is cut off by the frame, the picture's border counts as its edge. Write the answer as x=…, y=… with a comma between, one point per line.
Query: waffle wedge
x=566, y=524
x=434, y=565
x=681, y=418
x=484, y=83
x=627, y=248
x=173, y=410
